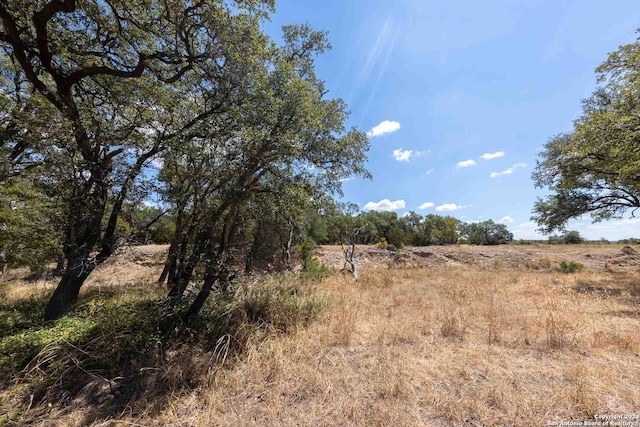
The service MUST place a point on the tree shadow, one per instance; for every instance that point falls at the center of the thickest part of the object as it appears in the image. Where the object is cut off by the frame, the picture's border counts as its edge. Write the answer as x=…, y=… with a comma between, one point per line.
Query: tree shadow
x=622, y=287
x=112, y=352
x=123, y=350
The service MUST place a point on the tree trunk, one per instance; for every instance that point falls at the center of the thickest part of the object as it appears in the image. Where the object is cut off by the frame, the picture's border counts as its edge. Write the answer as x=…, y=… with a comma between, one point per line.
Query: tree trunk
x=248, y=261
x=209, y=280
x=218, y=275
x=286, y=249
x=180, y=282
x=180, y=273
x=82, y=235
x=169, y=271
x=164, y=274
x=68, y=289
x=59, y=266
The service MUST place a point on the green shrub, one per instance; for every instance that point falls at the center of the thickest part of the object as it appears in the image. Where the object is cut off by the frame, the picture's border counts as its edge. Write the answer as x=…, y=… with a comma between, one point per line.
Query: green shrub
x=313, y=269
x=571, y=267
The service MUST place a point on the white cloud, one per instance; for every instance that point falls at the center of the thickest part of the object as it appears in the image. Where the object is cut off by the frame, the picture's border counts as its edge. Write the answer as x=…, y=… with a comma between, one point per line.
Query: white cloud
x=448, y=207
x=426, y=205
x=429, y=171
x=385, y=126
x=385, y=205
x=466, y=163
x=404, y=155
x=506, y=219
x=508, y=171
x=491, y=156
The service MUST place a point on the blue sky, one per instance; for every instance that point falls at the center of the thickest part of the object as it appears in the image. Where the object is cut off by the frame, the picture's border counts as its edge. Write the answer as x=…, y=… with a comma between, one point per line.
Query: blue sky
x=459, y=96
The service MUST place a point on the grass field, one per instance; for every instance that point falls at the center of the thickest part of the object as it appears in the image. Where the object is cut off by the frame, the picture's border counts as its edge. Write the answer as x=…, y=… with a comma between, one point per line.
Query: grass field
x=467, y=346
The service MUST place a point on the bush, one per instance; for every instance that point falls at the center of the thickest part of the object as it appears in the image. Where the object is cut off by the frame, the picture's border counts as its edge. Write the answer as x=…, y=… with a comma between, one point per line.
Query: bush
x=382, y=244
x=312, y=269
x=571, y=267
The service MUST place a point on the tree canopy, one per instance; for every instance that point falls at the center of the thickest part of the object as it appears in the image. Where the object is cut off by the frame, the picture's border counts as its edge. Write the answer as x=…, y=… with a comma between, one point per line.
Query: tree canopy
x=595, y=168
x=486, y=233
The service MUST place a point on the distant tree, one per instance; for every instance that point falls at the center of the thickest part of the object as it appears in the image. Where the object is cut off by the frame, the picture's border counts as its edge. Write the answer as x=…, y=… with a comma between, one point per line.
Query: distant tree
x=594, y=169
x=383, y=223
x=316, y=227
x=486, y=233
x=397, y=237
x=440, y=230
x=572, y=237
x=411, y=225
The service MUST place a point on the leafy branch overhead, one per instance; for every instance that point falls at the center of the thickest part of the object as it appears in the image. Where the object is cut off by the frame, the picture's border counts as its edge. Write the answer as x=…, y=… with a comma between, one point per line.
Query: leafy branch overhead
x=595, y=169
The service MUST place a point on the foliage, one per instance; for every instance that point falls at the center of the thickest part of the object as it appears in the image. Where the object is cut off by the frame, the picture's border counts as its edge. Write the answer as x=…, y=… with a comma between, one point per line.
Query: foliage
x=315, y=270
x=240, y=189
x=570, y=267
x=387, y=227
x=312, y=268
x=555, y=240
x=397, y=237
x=572, y=237
x=382, y=244
x=30, y=223
x=486, y=233
x=594, y=168
x=441, y=230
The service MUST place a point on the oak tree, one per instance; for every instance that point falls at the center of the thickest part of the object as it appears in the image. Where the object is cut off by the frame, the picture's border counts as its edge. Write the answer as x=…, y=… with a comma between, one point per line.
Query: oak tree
x=128, y=80
x=595, y=168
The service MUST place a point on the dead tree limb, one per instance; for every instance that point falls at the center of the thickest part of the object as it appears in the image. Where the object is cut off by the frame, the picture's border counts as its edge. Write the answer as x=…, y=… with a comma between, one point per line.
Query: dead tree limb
x=350, y=263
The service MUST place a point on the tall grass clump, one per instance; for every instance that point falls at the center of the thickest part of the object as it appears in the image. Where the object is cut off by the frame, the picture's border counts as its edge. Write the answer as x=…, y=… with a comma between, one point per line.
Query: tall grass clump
x=279, y=303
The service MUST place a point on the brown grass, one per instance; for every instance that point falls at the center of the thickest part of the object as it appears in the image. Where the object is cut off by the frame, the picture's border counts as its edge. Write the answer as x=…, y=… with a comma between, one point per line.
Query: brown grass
x=425, y=347
x=433, y=347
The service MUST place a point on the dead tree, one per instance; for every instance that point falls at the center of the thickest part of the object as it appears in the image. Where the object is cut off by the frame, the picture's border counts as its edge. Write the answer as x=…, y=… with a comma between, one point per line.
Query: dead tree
x=3, y=260
x=350, y=263
x=286, y=242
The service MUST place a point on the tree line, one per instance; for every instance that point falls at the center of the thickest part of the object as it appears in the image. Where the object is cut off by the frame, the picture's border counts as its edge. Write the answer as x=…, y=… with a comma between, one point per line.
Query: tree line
x=329, y=226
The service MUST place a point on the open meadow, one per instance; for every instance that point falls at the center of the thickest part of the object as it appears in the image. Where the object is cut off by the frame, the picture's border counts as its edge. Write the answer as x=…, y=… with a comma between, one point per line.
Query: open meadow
x=432, y=336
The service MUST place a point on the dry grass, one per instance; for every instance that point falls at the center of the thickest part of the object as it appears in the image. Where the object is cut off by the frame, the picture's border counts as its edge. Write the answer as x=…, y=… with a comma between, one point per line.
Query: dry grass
x=437, y=348
x=431, y=347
